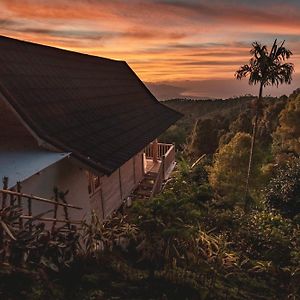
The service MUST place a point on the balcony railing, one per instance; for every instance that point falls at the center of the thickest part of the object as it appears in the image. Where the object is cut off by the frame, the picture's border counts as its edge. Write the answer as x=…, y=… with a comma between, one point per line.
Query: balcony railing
x=166, y=160
x=162, y=150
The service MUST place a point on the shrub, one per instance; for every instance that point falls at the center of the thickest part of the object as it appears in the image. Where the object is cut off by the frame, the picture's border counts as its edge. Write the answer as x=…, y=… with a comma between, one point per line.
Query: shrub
x=283, y=191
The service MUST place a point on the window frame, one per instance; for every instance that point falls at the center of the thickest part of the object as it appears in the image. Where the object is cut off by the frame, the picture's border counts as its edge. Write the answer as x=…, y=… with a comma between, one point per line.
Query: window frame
x=93, y=188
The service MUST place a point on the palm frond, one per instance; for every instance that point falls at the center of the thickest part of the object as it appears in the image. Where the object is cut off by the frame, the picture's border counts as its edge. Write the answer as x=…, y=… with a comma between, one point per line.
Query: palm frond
x=266, y=67
x=243, y=71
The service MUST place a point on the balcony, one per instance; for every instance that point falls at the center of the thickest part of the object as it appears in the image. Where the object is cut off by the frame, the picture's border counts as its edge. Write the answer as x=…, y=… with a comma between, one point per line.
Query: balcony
x=159, y=162
x=159, y=156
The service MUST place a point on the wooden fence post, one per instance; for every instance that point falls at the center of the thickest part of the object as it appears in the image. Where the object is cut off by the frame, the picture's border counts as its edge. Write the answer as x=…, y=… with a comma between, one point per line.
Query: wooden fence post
x=29, y=206
x=63, y=198
x=55, y=209
x=163, y=166
x=12, y=198
x=155, y=150
x=19, y=187
x=5, y=186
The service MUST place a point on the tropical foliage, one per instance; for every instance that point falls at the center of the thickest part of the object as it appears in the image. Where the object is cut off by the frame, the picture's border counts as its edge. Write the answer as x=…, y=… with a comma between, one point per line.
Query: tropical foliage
x=287, y=135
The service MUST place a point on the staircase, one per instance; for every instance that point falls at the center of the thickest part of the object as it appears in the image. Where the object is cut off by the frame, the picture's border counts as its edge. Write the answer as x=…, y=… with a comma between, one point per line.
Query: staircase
x=157, y=171
x=145, y=188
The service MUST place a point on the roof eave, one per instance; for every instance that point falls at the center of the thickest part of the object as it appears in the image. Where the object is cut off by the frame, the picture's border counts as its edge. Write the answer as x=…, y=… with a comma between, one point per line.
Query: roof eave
x=42, y=138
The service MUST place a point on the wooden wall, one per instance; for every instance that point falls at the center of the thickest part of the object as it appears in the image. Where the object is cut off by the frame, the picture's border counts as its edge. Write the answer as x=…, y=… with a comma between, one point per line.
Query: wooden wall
x=139, y=167
x=111, y=193
x=119, y=185
x=127, y=177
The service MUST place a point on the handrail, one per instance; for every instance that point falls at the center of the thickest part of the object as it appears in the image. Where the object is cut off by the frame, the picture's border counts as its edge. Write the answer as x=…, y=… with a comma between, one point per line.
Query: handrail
x=169, y=150
x=159, y=179
x=166, y=156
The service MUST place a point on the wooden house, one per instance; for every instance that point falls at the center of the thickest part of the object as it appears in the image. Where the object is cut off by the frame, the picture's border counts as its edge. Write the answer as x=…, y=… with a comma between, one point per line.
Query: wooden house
x=79, y=123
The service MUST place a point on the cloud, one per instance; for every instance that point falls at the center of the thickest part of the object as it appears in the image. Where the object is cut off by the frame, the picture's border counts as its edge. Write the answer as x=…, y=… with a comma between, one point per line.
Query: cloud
x=163, y=41
x=91, y=35
x=278, y=14
x=7, y=23
x=211, y=63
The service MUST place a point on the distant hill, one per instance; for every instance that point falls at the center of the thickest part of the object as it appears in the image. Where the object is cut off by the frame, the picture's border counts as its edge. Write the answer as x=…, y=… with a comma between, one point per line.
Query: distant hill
x=204, y=109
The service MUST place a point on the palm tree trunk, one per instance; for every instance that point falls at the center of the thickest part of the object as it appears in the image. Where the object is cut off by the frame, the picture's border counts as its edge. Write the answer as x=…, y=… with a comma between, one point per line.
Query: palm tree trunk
x=246, y=199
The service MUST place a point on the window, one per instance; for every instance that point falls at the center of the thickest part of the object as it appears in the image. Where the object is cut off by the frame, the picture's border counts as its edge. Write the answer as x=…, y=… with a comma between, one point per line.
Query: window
x=94, y=182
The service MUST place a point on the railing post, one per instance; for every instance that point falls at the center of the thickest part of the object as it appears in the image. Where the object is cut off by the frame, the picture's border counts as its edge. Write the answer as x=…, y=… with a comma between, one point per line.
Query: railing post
x=155, y=150
x=29, y=206
x=163, y=158
x=55, y=209
x=20, y=203
x=5, y=186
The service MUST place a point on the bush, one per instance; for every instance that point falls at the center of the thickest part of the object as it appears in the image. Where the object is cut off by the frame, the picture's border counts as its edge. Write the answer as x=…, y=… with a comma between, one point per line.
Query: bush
x=283, y=191
x=228, y=173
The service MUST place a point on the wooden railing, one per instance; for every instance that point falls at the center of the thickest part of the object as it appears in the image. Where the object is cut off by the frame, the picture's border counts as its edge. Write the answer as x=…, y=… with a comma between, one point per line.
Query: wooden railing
x=166, y=156
x=159, y=179
x=168, y=160
x=162, y=150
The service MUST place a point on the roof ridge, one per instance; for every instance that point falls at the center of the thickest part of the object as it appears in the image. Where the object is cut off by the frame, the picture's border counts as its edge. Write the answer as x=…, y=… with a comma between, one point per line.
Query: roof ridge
x=58, y=48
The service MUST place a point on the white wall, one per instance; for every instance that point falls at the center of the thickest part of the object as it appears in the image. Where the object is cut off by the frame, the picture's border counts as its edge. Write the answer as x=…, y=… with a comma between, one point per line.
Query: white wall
x=65, y=175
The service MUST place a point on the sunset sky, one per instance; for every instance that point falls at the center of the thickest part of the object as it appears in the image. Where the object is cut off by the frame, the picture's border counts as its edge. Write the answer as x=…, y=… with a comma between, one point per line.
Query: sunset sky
x=178, y=48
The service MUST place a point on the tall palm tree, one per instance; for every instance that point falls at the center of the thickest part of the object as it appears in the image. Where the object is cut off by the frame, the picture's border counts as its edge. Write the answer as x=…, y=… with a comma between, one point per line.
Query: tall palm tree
x=264, y=68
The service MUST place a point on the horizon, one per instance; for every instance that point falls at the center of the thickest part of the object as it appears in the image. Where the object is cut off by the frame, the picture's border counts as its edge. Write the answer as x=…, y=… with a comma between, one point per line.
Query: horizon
x=187, y=49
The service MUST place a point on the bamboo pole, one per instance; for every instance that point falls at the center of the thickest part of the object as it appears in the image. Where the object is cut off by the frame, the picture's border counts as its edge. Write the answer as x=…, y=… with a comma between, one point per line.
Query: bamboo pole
x=29, y=203
x=55, y=209
x=8, y=192
x=63, y=198
x=19, y=203
x=4, y=195
x=50, y=219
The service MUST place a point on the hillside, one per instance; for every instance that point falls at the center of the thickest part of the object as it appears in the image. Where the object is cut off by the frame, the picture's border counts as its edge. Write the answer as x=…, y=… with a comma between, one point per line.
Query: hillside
x=195, y=109
x=218, y=114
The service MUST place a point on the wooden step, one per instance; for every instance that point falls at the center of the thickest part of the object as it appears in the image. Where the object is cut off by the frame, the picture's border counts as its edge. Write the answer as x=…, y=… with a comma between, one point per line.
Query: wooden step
x=148, y=181
x=143, y=193
x=146, y=185
x=140, y=198
x=150, y=175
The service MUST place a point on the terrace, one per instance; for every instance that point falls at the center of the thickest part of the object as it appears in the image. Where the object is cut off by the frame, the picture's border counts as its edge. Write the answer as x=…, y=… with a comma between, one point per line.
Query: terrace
x=159, y=162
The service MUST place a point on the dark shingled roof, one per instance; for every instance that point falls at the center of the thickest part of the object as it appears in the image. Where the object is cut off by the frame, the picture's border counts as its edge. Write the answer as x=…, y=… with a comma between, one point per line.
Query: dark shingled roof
x=94, y=107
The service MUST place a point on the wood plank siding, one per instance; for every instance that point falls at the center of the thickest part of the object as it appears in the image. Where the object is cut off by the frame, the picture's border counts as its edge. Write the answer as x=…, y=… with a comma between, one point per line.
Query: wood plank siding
x=118, y=186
